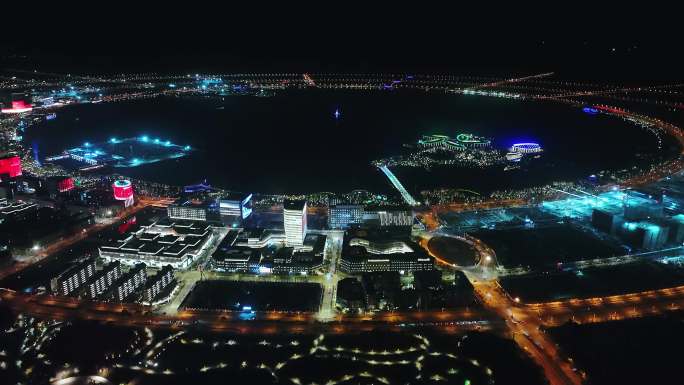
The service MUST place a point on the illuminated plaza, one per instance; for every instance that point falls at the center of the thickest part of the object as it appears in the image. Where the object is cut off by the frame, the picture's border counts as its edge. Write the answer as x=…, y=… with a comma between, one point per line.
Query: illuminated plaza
x=122, y=153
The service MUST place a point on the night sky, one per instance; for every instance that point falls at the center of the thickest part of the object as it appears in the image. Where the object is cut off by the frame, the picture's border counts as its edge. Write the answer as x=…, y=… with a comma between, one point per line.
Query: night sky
x=582, y=41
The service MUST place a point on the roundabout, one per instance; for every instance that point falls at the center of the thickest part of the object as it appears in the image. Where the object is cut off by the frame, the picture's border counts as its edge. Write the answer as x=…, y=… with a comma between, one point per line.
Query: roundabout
x=455, y=251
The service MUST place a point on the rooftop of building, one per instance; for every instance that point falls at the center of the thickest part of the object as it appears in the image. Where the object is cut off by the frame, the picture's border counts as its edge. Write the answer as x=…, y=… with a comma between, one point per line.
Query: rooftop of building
x=152, y=248
x=379, y=234
x=174, y=240
x=134, y=244
x=315, y=241
x=356, y=249
x=168, y=238
x=185, y=202
x=148, y=236
x=382, y=246
x=199, y=231
x=254, y=232
x=229, y=239
x=177, y=224
x=175, y=250
x=105, y=269
x=294, y=204
x=76, y=268
x=242, y=254
x=235, y=196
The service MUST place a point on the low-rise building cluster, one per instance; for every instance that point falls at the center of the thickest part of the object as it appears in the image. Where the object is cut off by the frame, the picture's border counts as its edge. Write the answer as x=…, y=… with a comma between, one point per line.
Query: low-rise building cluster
x=112, y=283
x=166, y=241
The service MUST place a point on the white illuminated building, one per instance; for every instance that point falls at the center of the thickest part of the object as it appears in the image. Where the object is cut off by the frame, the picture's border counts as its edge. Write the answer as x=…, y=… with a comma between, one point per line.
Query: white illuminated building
x=294, y=218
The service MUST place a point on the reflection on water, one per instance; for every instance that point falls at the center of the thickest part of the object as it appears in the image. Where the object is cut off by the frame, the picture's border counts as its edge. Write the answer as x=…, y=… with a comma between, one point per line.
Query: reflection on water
x=291, y=142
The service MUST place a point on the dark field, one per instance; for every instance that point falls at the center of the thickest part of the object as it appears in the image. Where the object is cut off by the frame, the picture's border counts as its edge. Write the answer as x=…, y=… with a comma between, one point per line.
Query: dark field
x=154, y=356
x=540, y=248
x=629, y=352
x=592, y=282
x=453, y=251
x=260, y=296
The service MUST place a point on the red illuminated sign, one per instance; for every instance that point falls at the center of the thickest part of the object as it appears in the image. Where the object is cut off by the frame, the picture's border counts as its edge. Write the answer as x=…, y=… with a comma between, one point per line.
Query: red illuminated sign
x=17, y=107
x=65, y=185
x=123, y=190
x=20, y=104
x=11, y=166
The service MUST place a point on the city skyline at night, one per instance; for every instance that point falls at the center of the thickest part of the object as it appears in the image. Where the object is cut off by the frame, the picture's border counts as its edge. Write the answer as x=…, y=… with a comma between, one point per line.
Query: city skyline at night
x=461, y=198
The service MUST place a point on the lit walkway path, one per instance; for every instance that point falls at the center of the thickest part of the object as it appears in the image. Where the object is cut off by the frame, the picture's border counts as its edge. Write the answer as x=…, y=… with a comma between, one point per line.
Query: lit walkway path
x=404, y=194
x=333, y=251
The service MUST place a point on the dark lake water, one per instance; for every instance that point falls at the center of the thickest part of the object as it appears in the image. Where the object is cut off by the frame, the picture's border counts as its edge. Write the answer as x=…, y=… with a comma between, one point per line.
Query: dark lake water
x=292, y=143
